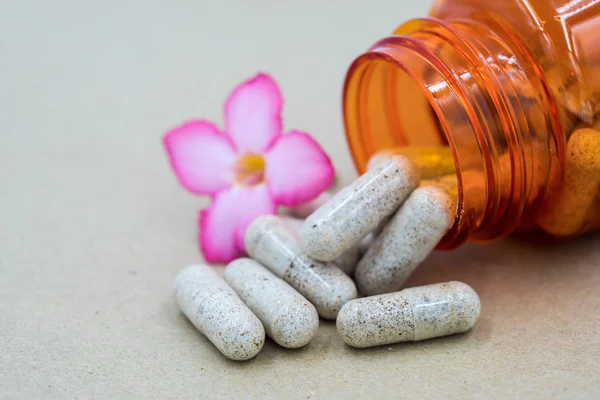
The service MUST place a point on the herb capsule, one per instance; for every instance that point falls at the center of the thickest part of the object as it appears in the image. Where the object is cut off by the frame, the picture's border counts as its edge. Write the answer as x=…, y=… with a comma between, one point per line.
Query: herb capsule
x=289, y=319
x=413, y=314
x=406, y=241
x=217, y=311
x=358, y=209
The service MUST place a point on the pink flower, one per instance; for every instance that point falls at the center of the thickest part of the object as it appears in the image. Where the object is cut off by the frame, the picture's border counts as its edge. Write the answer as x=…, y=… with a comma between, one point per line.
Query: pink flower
x=248, y=169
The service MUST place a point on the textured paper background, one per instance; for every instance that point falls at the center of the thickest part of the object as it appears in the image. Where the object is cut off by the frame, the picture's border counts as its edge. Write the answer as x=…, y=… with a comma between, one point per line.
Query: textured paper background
x=95, y=227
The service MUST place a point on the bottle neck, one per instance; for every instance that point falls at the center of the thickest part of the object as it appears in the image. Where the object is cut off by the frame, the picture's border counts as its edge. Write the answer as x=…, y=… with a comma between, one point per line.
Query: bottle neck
x=459, y=84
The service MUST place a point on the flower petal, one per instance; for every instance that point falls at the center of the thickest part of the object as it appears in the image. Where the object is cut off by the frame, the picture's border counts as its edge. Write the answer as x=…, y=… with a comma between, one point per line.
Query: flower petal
x=297, y=169
x=253, y=114
x=201, y=157
x=223, y=224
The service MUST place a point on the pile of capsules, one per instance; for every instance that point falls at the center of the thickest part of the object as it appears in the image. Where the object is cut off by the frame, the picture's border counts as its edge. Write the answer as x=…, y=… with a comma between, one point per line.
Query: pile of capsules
x=377, y=230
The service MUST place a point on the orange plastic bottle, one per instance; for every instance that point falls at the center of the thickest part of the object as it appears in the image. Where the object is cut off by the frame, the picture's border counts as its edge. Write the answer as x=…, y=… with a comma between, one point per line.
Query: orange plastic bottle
x=503, y=84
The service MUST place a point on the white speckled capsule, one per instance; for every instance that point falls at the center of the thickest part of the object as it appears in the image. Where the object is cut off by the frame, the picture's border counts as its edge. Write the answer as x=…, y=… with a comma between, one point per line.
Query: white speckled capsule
x=289, y=319
x=274, y=244
x=358, y=209
x=410, y=315
x=217, y=311
x=406, y=241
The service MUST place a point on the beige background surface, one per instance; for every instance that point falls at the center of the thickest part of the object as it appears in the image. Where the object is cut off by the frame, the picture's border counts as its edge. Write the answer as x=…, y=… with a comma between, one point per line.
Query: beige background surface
x=95, y=227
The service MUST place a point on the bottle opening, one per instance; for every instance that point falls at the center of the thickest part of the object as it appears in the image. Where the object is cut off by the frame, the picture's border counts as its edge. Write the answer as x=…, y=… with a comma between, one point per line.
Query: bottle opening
x=396, y=100
x=385, y=108
x=436, y=87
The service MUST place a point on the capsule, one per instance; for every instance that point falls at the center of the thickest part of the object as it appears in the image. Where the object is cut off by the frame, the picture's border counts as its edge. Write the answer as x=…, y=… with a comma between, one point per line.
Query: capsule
x=358, y=209
x=289, y=319
x=406, y=241
x=217, y=311
x=410, y=315
x=273, y=243
x=564, y=211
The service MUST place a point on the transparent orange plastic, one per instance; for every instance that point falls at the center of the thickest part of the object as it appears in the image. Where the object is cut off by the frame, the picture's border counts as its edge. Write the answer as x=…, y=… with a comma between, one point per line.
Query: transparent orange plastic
x=503, y=84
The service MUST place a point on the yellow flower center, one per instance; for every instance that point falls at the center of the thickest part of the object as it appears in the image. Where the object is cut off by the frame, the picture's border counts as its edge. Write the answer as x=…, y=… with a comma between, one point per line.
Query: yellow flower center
x=250, y=169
